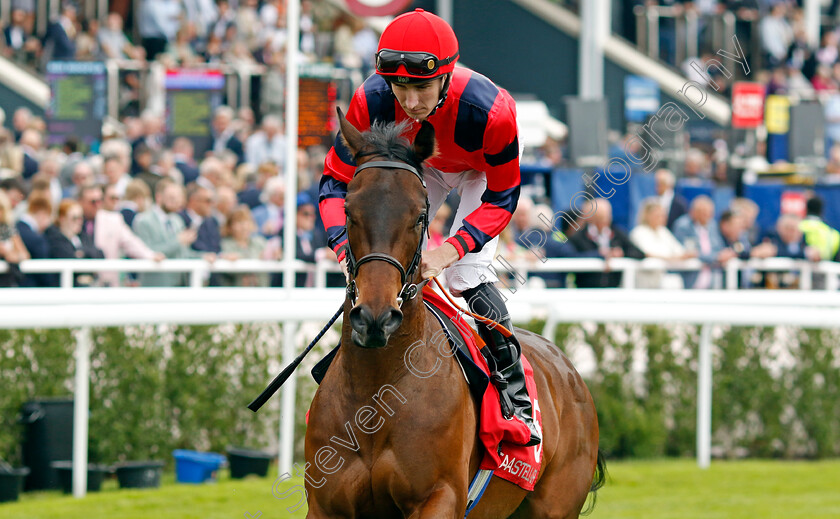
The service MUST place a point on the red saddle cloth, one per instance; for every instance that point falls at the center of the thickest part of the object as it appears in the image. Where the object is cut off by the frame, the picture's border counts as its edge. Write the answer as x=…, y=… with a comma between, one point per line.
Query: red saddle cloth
x=502, y=439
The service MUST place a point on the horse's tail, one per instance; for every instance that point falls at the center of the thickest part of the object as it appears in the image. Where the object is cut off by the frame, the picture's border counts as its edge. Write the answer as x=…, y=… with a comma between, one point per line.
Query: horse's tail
x=598, y=481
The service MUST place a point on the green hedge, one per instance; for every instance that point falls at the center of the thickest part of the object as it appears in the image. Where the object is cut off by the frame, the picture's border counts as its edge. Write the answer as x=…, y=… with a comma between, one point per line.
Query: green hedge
x=159, y=388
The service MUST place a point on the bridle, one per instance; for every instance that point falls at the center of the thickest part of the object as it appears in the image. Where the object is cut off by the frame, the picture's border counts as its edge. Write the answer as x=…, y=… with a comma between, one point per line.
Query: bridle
x=409, y=290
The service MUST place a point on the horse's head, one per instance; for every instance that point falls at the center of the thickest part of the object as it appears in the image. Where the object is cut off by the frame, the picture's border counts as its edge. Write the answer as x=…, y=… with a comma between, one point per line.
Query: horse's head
x=387, y=214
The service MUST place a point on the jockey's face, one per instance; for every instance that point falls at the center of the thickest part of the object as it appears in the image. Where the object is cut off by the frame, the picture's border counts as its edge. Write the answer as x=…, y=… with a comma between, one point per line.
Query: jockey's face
x=418, y=101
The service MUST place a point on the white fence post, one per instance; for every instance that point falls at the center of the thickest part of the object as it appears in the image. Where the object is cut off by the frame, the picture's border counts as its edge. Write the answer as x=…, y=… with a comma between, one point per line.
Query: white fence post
x=80, y=412
x=704, y=397
x=287, y=412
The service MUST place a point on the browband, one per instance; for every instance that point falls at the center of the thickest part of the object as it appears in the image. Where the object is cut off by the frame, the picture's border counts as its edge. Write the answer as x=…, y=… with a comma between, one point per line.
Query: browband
x=393, y=165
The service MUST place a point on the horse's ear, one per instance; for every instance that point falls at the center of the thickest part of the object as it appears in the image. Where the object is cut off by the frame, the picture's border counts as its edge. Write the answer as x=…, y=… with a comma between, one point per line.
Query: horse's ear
x=424, y=143
x=352, y=136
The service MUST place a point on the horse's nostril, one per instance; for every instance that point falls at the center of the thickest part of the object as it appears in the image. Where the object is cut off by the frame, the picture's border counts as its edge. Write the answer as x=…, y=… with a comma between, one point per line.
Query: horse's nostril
x=390, y=320
x=361, y=317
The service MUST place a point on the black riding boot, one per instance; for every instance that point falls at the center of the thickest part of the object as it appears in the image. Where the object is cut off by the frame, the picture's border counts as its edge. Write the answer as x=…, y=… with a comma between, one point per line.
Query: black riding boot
x=507, y=373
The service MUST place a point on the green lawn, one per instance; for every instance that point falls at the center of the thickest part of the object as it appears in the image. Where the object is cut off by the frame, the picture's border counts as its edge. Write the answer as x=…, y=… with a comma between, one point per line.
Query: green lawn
x=666, y=489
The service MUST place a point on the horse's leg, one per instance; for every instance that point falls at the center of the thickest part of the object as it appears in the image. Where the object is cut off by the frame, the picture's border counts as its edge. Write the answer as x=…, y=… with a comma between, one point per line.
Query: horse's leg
x=442, y=503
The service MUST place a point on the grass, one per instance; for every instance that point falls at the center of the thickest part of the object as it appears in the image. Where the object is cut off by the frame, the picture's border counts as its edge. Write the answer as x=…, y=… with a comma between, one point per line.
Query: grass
x=661, y=489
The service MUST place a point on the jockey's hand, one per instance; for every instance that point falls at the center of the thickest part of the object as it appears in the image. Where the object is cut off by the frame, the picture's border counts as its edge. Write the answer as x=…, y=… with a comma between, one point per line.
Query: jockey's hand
x=343, y=264
x=435, y=260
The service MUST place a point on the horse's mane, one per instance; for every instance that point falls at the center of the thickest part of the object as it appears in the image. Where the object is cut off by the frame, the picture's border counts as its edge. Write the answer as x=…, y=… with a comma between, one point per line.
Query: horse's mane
x=388, y=140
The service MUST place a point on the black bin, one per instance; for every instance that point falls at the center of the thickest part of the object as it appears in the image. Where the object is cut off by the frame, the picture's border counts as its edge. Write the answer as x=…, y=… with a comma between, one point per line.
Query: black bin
x=139, y=474
x=246, y=461
x=95, y=475
x=11, y=483
x=47, y=437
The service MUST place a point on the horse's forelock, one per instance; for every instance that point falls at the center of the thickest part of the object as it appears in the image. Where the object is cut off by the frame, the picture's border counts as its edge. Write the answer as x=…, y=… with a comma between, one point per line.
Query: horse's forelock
x=389, y=140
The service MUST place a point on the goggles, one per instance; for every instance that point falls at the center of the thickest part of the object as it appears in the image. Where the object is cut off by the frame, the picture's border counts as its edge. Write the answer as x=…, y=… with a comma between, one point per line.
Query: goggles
x=415, y=63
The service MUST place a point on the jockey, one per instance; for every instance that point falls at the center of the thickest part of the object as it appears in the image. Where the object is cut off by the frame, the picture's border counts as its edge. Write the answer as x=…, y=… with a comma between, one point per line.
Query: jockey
x=478, y=154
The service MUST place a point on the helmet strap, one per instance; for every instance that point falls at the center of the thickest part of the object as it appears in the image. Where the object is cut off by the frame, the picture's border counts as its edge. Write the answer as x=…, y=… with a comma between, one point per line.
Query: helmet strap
x=443, y=92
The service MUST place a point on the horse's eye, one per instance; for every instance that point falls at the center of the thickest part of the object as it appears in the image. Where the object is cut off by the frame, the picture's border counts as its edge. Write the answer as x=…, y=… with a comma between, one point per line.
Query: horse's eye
x=420, y=220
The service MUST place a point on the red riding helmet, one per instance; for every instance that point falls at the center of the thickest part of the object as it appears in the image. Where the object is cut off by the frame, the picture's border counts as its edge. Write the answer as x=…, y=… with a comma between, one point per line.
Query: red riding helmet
x=416, y=47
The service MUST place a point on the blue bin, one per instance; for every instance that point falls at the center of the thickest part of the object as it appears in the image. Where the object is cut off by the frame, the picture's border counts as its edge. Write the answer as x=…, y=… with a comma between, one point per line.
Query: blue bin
x=196, y=467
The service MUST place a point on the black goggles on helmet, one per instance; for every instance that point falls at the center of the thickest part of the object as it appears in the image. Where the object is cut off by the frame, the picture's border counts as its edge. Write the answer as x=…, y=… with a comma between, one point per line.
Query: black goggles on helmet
x=415, y=63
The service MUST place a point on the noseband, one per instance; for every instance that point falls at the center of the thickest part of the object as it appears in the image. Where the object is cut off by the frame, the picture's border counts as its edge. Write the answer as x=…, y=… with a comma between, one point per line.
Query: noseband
x=408, y=290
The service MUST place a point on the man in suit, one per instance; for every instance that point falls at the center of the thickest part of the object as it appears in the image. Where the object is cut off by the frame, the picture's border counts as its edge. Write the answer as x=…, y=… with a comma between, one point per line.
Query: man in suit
x=698, y=232
x=60, y=40
x=198, y=215
x=674, y=204
x=224, y=133
x=600, y=238
x=30, y=143
x=183, y=151
x=309, y=240
x=30, y=227
x=789, y=242
x=163, y=230
x=107, y=231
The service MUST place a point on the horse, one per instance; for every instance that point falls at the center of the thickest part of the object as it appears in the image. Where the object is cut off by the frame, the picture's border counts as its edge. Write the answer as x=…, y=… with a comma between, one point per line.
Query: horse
x=383, y=442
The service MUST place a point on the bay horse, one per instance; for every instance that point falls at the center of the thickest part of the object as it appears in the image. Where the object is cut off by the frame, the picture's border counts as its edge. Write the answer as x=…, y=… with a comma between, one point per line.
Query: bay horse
x=383, y=442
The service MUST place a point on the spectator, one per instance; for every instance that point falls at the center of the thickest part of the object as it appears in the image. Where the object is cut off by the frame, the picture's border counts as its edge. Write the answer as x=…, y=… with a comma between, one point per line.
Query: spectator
x=696, y=167
x=268, y=144
x=652, y=236
x=136, y=197
x=224, y=133
x=114, y=43
x=87, y=41
x=225, y=204
x=21, y=45
x=162, y=230
x=15, y=192
x=198, y=215
x=158, y=22
x=699, y=234
x=30, y=142
x=748, y=211
x=30, y=227
x=818, y=234
x=116, y=173
x=107, y=231
x=822, y=80
x=269, y=215
x=145, y=161
x=309, y=241
x=50, y=170
x=673, y=204
x=241, y=242
x=82, y=176
x=181, y=50
x=111, y=198
x=213, y=173
x=654, y=239
x=20, y=121
x=790, y=243
x=776, y=35
x=12, y=248
x=64, y=242
x=60, y=40
x=226, y=19
x=602, y=239
x=183, y=152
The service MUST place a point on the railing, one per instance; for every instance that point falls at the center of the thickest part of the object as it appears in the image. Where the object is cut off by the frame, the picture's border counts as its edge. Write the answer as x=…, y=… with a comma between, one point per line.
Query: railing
x=687, y=33
x=198, y=270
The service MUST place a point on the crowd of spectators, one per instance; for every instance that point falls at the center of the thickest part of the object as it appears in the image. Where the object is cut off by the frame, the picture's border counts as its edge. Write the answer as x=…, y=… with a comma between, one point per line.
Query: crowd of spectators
x=671, y=229
x=138, y=198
